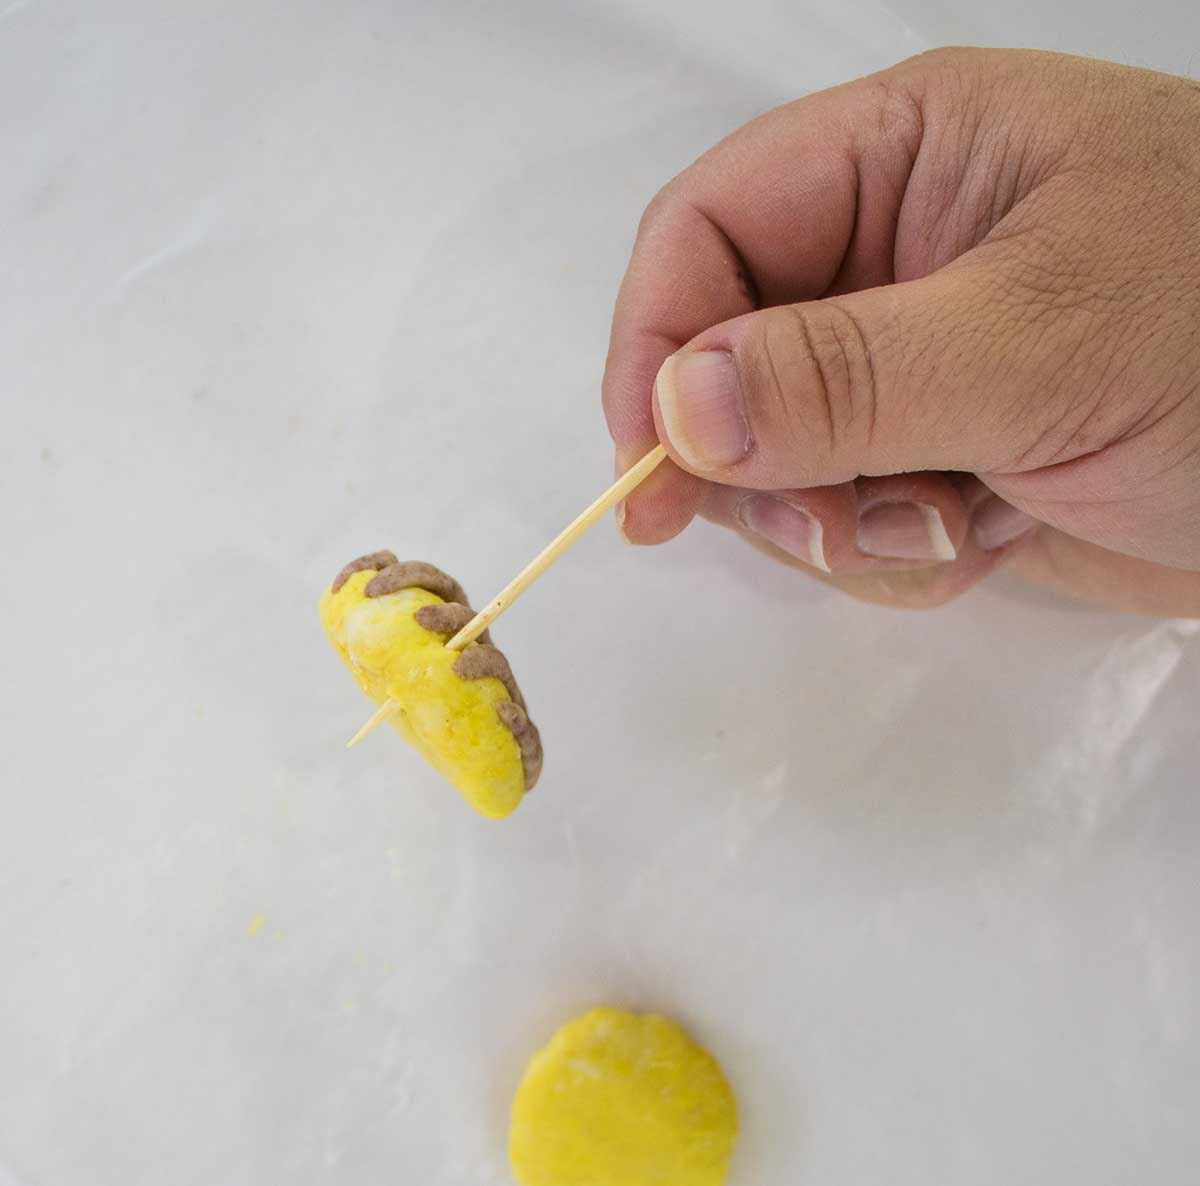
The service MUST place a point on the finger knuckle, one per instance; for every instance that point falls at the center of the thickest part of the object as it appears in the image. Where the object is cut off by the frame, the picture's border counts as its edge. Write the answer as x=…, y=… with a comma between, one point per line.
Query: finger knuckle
x=819, y=375
x=951, y=70
x=658, y=208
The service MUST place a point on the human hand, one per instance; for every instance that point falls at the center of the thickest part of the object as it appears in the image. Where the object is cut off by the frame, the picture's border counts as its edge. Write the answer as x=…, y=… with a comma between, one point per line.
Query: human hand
x=935, y=319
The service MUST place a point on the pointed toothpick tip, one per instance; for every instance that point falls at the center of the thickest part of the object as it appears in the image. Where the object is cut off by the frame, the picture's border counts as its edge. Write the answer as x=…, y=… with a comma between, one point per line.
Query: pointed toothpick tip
x=381, y=714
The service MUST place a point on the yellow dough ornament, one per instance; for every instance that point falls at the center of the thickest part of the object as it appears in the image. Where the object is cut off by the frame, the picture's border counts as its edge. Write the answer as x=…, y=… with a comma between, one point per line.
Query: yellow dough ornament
x=621, y=1099
x=463, y=710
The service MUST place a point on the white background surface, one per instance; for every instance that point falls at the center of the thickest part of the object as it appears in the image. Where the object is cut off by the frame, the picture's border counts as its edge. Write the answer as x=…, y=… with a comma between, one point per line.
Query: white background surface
x=284, y=282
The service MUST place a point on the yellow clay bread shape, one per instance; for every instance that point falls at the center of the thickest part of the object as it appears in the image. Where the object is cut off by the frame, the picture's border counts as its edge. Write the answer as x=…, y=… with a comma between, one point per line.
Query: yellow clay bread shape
x=462, y=711
x=622, y=1099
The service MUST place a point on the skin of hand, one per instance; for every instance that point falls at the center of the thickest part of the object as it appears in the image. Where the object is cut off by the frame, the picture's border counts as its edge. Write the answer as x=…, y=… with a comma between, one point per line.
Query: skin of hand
x=940, y=318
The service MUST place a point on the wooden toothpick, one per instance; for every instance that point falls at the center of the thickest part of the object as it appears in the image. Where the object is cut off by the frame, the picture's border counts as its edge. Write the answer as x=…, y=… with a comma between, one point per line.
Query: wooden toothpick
x=623, y=486
x=385, y=710
x=626, y=483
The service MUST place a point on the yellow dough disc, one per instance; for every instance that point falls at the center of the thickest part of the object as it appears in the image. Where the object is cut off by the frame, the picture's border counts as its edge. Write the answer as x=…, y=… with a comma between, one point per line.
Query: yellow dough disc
x=620, y=1099
x=452, y=721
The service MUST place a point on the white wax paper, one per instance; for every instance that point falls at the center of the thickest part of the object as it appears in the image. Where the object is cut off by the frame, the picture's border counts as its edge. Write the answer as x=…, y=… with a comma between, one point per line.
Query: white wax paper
x=281, y=283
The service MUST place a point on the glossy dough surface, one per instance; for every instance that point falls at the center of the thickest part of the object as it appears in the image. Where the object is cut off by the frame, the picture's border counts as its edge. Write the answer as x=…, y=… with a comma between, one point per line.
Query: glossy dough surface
x=621, y=1099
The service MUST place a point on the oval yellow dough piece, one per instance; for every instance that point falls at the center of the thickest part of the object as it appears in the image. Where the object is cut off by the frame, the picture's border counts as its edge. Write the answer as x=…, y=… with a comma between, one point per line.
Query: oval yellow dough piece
x=622, y=1099
x=452, y=721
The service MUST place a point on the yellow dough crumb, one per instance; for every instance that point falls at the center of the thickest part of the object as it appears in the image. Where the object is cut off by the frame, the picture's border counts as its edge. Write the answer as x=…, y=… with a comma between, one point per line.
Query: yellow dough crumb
x=620, y=1099
x=452, y=721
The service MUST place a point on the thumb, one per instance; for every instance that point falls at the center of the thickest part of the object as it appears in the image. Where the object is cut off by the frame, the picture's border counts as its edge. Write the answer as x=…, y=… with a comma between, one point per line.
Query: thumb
x=930, y=374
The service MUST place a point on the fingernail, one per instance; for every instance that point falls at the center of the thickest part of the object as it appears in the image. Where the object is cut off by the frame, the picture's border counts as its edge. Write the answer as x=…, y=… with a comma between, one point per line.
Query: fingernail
x=997, y=523
x=620, y=517
x=904, y=531
x=797, y=532
x=700, y=399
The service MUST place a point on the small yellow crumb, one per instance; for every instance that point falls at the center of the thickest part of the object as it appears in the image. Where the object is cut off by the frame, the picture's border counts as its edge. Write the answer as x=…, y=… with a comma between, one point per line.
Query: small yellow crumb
x=256, y=924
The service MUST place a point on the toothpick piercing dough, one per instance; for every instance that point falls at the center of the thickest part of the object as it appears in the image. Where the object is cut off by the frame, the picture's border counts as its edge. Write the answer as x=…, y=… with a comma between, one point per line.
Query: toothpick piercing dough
x=462, y=710
x=619, y=1099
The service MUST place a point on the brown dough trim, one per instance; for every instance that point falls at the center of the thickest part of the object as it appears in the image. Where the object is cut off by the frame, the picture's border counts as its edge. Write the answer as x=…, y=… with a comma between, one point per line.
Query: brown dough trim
x=415, y=574
x=484, y=661
x=373, y=560
x=480, y=661
x=529, y=741
x=448, y=618
x=487, y=662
